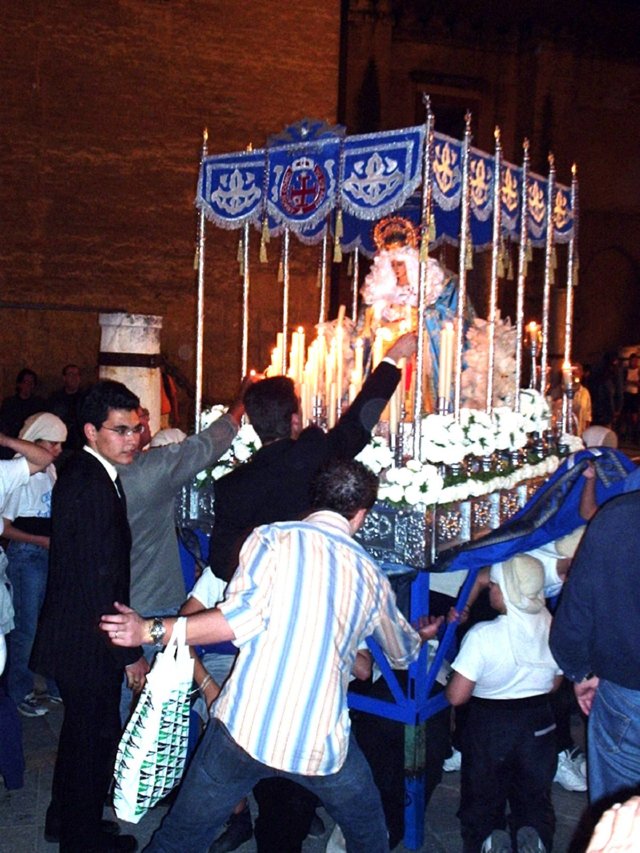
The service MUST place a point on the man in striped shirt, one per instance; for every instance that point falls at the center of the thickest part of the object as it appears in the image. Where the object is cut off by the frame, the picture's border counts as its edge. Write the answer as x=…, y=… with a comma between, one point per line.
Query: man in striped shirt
x=303, y=599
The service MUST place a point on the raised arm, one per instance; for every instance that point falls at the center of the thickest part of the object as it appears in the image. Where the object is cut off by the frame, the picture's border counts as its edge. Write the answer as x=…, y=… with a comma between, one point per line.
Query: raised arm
x=36, y=456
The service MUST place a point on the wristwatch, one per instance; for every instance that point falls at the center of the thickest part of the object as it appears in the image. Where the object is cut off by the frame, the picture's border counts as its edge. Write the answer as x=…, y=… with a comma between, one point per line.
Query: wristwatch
x=157, y=631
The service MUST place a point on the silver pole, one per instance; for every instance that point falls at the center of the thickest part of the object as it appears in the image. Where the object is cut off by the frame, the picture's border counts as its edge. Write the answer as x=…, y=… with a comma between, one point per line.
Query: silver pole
x=200, y=296
x=356, y=276
x=548, y=274
x=572, y=268
x=427, y=192
x=522, y=268
x=285, y=299
x=495, y=251
x=462, y=267
x=245, y=299
x=323, y=278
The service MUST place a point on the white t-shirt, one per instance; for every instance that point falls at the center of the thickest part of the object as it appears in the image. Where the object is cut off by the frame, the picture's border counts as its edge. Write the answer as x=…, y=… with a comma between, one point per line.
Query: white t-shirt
x=33, y=499
x=486, y=658
x=208, y=589
x=13, y=474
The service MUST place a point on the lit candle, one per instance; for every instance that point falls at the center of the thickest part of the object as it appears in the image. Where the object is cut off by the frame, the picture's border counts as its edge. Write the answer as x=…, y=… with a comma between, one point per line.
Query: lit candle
x=358, y=370
x=567, y=375
x=446, y=361
x=532, y=330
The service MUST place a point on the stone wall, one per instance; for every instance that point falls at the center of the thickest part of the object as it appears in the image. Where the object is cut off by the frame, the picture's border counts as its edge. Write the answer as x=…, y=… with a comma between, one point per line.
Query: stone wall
x=101, y=122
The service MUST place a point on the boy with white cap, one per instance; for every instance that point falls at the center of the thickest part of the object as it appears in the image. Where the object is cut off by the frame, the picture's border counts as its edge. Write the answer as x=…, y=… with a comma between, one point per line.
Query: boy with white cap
x=506, y=671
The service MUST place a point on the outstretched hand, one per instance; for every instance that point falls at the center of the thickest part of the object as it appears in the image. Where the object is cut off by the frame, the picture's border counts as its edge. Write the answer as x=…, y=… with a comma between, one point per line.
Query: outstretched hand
x=403, y=347
x=428, y=627
x=124, y=628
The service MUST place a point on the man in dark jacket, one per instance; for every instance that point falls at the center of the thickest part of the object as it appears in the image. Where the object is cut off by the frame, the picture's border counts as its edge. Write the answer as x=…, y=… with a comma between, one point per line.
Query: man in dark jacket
x=89, y=570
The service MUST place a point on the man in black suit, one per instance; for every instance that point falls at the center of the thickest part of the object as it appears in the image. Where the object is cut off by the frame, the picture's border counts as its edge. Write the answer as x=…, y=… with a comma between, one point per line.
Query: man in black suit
x=88, y=571
x=275, y=486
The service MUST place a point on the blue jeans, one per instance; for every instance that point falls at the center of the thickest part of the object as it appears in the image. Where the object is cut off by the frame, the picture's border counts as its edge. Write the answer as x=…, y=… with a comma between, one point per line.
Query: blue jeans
x=614, y=744
x=28, y=569
x=221, y=773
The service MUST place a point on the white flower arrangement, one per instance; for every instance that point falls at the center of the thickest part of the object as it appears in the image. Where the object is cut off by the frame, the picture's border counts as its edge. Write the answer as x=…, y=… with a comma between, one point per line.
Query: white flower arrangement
x=535, y=410
x=243, y=446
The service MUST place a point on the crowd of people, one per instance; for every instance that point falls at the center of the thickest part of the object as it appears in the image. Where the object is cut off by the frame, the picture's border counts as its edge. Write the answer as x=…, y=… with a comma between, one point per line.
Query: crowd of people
x=91, y=586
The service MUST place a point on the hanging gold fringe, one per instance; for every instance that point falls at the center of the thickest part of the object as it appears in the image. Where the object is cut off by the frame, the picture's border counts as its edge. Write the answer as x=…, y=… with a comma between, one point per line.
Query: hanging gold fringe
x=424, y=247
x=339, y=225
x=337, y=251
x=196, y=258
x=554, y=258
x=280, y=271
x=576, y=268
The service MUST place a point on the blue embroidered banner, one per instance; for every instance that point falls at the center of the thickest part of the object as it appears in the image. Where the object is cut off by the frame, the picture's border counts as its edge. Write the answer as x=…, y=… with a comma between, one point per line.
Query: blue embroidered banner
x=537, y=208
x=510, y=195
x=381, y=171
x=302, y=182
x=562, y=215
x=230, y=188
x=481, y=169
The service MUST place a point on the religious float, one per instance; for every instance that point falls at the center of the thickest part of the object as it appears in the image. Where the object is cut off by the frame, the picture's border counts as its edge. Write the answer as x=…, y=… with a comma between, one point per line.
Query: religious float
x=462, y=447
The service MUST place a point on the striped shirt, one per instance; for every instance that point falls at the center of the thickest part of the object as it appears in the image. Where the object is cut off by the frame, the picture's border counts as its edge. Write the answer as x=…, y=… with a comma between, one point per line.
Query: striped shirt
x=303, y=598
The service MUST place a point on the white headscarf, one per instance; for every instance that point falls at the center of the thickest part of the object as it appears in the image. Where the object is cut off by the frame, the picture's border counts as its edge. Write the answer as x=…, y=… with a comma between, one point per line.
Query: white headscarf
x=43, y=425
x=521, y=581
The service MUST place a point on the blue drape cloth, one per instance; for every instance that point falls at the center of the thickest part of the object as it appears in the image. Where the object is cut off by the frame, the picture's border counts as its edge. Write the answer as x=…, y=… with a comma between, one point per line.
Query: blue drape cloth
x=551, y=512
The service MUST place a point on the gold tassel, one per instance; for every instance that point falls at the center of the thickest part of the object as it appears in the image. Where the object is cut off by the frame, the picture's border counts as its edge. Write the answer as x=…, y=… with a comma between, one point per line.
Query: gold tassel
x=468, y=261
x=350, y=266
x=424, y=247
x=196, y=258
x=264, y=239
x=337, y=251
x=510, y=270
x=339, y=225
x=552, y=276
x=554, y=258
x=576, y=268
x=525, y=266
x=280, y=271
x=239, y=252
x=241, y=271
x=500, y=265
x=528, y=254
x=432, y=228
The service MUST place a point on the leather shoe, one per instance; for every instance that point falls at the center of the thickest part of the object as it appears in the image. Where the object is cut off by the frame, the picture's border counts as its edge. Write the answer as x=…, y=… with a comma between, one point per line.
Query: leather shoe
x=119, y=843
x=239, y=829
x=52, y=829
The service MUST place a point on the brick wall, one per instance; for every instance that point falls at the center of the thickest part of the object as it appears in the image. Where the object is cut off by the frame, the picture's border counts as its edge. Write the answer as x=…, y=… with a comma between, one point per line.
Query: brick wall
x=101, y=124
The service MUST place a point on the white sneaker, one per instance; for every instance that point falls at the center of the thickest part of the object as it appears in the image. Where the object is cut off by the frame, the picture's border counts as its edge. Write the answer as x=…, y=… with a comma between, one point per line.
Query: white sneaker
x=336, y=842
x=529, y=841
x=498, y=842
x=453, y=763
x=571, y=772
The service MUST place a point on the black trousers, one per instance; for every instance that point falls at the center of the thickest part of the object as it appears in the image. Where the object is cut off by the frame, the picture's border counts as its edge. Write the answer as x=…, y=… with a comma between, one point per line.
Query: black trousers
x=285, y=812
x=86, y=753
x=508, y=757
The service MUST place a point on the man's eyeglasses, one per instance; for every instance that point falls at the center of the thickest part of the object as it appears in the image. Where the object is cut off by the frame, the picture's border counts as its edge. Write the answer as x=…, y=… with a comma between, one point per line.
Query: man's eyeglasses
x=125, y=431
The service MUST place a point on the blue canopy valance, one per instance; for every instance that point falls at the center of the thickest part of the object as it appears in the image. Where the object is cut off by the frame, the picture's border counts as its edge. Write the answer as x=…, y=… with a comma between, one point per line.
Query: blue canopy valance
x=304, y=177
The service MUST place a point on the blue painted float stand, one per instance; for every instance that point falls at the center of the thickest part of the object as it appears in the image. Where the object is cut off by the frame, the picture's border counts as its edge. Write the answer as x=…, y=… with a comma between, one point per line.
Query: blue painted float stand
x=414, y=705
